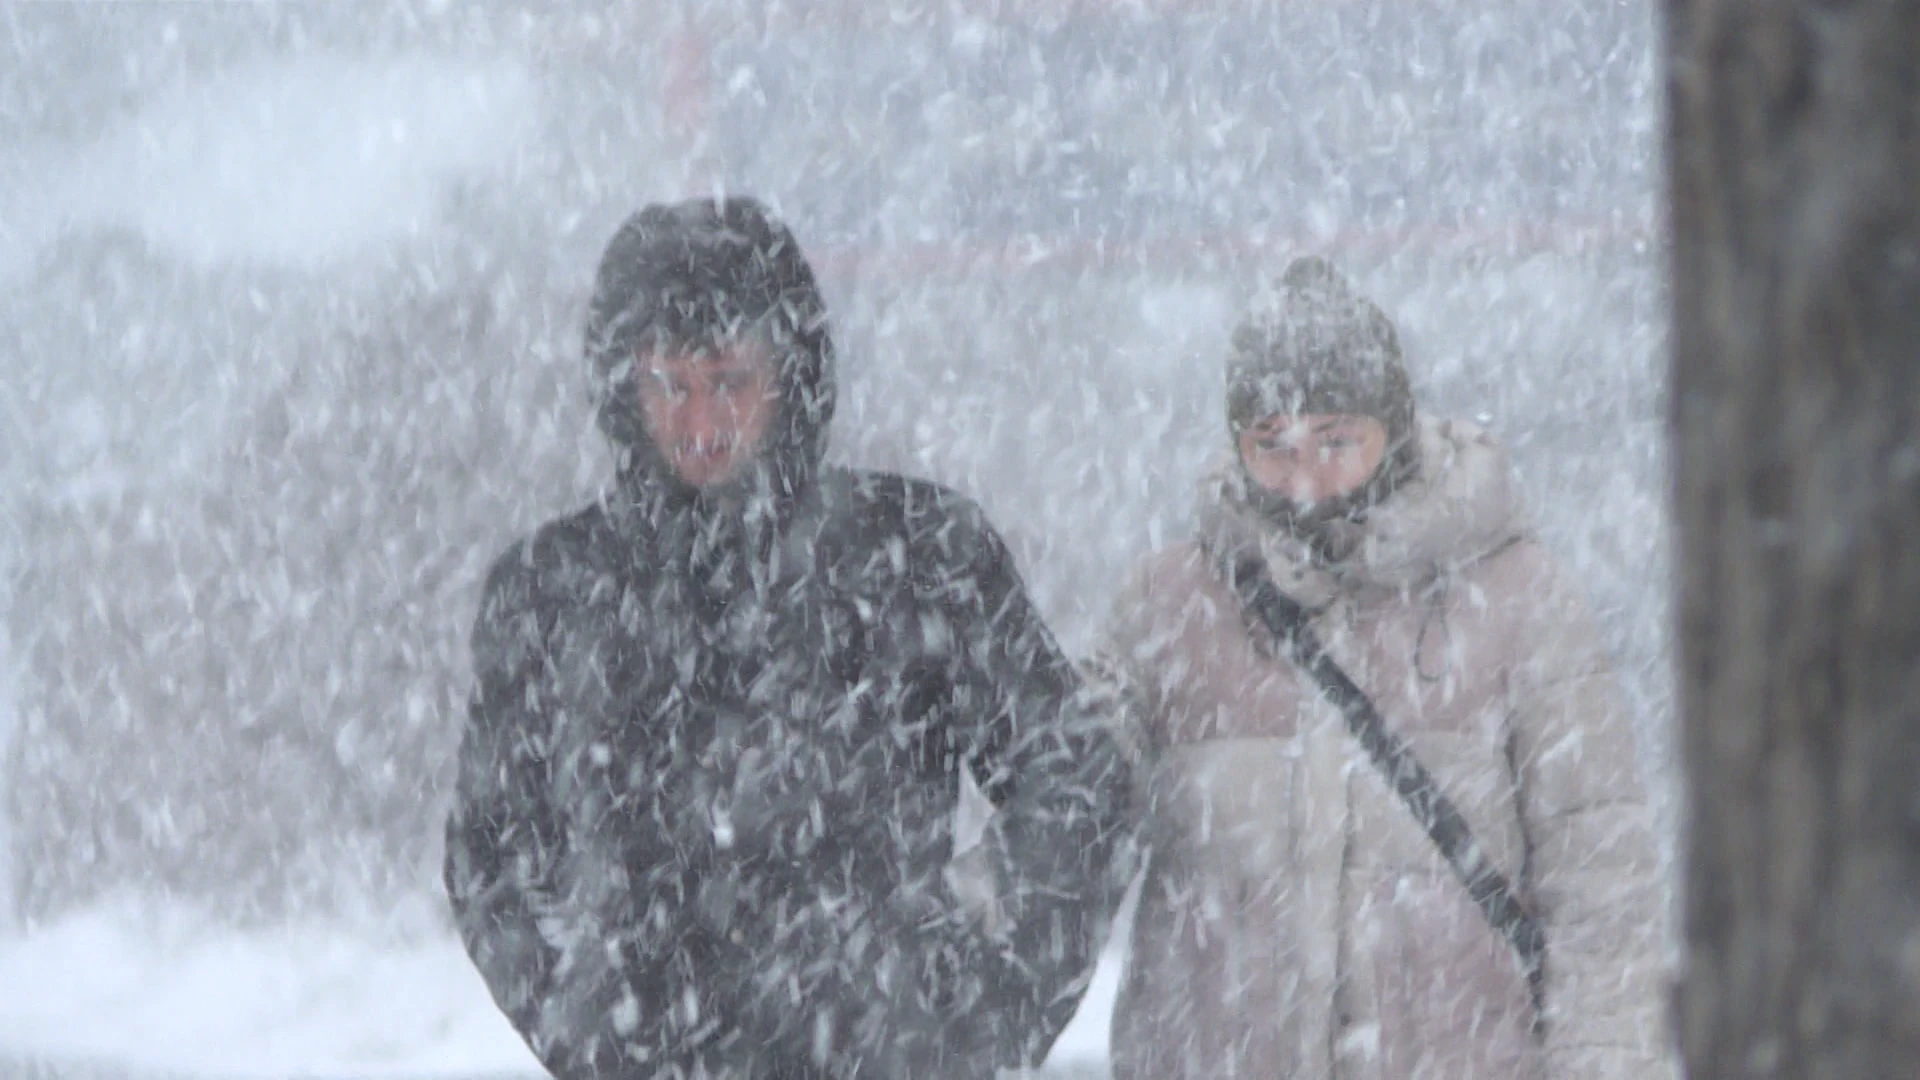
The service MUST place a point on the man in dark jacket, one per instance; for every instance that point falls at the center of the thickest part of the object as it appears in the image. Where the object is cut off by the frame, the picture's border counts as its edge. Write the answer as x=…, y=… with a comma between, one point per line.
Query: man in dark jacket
x=707, y=788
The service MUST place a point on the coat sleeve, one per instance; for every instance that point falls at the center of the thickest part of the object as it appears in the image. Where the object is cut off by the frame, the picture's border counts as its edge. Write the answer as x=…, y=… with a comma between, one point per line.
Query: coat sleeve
x=1117, y=690
x=574, y=941
x=1050, y=763
x=1594, y=868
x=502, y=846
x=559, y=962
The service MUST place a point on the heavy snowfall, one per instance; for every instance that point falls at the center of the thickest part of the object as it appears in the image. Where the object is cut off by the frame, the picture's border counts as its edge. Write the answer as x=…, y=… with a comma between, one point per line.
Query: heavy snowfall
x=290, y=351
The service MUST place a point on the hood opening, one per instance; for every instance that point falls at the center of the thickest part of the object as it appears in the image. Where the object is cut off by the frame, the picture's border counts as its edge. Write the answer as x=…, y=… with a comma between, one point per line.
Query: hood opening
x=694, y=274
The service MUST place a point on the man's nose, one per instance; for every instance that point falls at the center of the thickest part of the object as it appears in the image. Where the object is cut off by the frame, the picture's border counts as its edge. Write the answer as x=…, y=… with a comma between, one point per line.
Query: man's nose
x=706, y=414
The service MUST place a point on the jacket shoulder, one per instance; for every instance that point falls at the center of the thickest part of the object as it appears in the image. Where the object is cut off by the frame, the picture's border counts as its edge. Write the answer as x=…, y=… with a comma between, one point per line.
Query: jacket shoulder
x=1165, y=578
x=904, y=497
x=1539, y=597
x=931, y=519
x=556, y=562
x=1161, y=592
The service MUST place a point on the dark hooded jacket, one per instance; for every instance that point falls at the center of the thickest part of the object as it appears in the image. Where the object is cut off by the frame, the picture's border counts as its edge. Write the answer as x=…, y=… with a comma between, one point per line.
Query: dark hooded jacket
x=708, y=784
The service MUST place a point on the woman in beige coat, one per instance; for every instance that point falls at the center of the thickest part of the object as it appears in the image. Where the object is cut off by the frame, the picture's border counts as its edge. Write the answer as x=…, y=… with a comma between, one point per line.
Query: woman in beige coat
x=1297, y=921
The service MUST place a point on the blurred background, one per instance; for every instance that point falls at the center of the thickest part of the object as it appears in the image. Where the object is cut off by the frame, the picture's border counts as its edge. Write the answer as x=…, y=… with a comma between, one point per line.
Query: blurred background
x=289, y=350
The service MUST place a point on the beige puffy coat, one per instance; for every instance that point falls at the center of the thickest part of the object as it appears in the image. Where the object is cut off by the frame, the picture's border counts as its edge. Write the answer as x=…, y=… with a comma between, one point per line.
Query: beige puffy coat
x=1296, y=922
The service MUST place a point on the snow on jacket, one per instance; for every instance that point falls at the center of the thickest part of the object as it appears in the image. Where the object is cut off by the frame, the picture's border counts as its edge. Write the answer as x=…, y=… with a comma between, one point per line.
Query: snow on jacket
x=707, y=787
x=1296, y=921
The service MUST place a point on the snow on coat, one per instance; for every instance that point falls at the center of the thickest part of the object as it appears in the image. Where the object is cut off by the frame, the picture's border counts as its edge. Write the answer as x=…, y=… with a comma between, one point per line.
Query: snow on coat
x=1296, y=920
x=707, y=790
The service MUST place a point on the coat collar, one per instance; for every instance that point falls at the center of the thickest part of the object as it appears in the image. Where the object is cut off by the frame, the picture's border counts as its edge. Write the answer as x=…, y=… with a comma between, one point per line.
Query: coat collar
x=1458, y=510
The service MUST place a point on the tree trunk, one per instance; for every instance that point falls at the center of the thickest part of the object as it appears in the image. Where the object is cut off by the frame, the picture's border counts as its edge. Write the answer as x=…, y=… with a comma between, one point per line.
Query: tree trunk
x=1795, y=171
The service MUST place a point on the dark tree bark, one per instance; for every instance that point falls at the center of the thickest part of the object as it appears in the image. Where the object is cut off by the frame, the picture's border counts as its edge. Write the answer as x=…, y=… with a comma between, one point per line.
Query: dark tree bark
x=1795, y=171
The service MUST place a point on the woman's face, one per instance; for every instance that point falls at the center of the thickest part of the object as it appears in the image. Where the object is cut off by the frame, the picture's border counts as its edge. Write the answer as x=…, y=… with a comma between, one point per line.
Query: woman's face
x=1312, y=458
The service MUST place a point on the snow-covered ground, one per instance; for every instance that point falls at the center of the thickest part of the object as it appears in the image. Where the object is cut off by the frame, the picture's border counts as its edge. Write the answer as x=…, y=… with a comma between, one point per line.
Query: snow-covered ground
x=161, y=993
x=148, y=993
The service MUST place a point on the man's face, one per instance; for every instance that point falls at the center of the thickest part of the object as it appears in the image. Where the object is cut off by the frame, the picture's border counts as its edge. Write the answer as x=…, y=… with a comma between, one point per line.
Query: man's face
x=1312, y=458
x=707, y=410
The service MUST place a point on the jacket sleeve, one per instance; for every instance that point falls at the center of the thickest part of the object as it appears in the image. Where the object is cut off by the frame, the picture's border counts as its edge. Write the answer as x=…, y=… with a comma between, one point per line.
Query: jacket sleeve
x=574, y=940
x=502, y=845
x=1119, y=691
x=1594, y=869
x=1058, y=777
x=1117, y=684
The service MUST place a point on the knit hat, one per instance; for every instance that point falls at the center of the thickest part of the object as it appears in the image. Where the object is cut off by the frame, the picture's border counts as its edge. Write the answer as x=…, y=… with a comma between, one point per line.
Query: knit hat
x=1314, y=346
